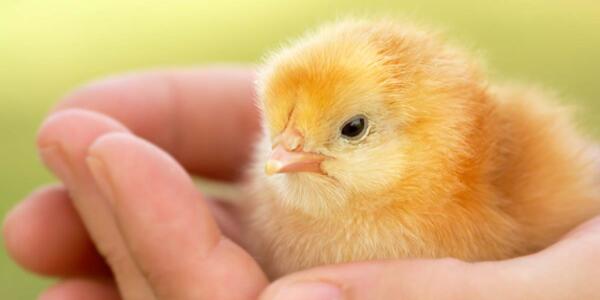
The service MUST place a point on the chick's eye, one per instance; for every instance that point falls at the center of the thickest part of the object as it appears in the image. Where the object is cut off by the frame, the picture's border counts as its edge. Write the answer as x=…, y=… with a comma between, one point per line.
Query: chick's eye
x=355, y=128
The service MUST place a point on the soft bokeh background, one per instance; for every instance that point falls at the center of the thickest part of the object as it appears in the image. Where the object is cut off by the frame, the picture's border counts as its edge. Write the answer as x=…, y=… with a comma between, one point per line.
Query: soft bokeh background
x=48, y=47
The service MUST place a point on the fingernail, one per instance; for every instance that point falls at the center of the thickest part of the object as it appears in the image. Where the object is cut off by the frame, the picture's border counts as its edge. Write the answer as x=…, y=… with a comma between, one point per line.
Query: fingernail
x=101, y=177
x=308, y=290
x=54, y=157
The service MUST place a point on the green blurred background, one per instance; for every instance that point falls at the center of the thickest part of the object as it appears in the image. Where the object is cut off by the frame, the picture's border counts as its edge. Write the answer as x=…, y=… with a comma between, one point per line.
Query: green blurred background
x=50, y=47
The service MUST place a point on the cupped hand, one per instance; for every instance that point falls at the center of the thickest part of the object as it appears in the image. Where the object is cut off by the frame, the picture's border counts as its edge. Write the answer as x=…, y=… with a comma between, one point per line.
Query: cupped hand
x=121, y=146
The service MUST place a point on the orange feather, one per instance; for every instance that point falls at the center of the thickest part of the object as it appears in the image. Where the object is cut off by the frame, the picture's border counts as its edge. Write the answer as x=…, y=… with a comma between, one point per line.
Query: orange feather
x=452, y=166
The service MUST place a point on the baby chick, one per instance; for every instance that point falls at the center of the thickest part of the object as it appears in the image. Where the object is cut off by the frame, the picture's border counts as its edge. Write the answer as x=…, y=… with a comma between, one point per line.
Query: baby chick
x=381, y=141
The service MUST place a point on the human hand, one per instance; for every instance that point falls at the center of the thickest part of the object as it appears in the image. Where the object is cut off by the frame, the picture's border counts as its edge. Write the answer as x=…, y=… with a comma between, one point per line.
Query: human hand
x=206, y=120
x=565, y=270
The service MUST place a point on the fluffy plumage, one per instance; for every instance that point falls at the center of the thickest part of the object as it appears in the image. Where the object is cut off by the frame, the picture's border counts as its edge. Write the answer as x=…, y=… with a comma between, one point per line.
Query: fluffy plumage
x=451, y=166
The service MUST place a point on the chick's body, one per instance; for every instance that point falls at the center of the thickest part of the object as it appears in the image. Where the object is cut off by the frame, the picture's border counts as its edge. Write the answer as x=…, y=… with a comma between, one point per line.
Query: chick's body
x=447, y=165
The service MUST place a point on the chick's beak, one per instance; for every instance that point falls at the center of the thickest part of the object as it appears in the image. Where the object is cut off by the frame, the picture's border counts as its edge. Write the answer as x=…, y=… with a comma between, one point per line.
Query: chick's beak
x=287, y=156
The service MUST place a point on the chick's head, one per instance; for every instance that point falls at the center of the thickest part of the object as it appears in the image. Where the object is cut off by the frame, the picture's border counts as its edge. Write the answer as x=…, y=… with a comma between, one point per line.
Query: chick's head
x=360, y=113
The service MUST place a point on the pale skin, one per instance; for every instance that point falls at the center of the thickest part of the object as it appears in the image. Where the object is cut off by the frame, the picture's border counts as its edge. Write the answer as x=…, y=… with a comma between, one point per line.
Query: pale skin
x=112, y=146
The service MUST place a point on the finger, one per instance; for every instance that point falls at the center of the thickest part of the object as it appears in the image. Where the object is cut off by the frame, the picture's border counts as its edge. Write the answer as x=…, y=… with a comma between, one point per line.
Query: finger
x=63, y=142
x=168, y=226
x=205, y=118
x=422, y=279
x=77, y=289
x=409, y=279
x=45, y=235
x=563, y=271
x=227, y=218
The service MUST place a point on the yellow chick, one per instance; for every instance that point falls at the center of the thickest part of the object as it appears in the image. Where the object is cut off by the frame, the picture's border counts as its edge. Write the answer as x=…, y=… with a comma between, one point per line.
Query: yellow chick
x=382, y=141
